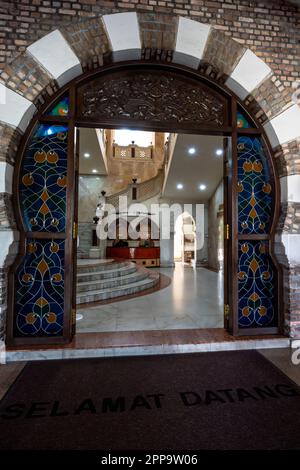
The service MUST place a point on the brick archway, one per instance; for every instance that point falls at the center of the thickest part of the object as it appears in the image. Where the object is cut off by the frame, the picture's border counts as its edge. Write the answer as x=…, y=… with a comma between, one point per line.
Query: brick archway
x=52, y=61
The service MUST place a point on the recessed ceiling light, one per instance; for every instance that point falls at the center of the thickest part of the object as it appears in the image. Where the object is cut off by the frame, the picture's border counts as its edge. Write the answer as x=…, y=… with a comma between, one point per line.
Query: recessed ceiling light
x=95, y=171
x=219, y=152
x=192, y=150
x=179, y=186
x=86, y=155
x=202, y=187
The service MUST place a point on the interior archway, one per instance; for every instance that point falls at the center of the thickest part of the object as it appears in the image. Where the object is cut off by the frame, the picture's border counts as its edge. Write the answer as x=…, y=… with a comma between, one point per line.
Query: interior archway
x=185, y=239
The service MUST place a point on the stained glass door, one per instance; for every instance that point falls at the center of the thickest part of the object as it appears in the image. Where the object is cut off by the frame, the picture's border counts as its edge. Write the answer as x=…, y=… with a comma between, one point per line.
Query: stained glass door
x=256, y=270
x=43, y=276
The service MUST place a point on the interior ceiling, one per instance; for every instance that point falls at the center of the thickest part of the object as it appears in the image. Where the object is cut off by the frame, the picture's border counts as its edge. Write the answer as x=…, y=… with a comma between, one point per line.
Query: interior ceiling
x=204, y=167
x=88, y=143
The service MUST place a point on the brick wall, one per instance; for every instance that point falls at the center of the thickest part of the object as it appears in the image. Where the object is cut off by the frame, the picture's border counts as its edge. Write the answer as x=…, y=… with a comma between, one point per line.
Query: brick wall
x=270, y=28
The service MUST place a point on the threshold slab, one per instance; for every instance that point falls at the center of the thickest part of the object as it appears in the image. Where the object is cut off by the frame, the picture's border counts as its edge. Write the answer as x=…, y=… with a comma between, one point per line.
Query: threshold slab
x=135, y=343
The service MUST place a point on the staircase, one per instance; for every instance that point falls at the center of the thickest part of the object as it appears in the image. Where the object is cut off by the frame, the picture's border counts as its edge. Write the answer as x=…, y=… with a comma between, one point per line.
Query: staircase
x=145, y=190
x=106, y=279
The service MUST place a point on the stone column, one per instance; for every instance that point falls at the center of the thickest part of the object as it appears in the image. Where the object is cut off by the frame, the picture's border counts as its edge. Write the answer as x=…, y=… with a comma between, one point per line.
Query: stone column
x=166, y=232
x=167, y=252
x=9, y=248
x=8, y=239
x=99, y=251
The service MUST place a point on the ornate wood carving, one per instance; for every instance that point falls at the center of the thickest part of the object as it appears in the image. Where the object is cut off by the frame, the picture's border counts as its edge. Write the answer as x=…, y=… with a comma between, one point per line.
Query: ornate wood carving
x=156, y=96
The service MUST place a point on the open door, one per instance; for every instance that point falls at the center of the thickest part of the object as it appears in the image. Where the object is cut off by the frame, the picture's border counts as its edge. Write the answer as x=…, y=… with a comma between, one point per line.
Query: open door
x=75, y=229
x=228, y=268
x=42, y=288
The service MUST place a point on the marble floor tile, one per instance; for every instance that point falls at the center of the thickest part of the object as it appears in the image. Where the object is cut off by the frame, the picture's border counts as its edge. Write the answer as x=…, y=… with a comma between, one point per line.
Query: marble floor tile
x=194, y=299
x=126, y=324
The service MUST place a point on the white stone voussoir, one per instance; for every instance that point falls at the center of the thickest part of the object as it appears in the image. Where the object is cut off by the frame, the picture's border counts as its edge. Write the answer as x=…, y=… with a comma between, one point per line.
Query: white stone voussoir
x=248, y=74
x=124, y=35
x=56, y=56
x=15, y=110
x=6, y=177
x=190, y=42
x=284, y=127
x=290, y=188
x=291, y=244
x=8, y=243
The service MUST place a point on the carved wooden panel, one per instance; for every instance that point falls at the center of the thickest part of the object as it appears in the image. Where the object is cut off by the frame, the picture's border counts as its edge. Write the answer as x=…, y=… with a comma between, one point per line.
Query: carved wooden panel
x=153, y=96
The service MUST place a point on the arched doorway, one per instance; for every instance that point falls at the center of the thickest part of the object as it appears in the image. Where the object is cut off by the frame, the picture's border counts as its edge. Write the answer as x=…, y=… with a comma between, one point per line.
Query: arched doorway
x=153, y=97
x=185, y=241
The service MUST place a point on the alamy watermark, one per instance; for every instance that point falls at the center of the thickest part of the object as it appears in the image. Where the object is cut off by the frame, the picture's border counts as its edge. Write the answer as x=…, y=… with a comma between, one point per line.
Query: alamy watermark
x=136, y=221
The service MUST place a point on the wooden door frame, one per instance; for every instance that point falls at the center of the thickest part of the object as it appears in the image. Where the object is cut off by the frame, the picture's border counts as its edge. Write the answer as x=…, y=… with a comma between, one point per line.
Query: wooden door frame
x=73, y=121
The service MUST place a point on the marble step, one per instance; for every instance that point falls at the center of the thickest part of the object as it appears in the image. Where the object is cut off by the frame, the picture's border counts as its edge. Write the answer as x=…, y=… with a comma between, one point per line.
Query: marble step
x=94, y=284
x=104, y=294
x=88, y=266
x=112, y=273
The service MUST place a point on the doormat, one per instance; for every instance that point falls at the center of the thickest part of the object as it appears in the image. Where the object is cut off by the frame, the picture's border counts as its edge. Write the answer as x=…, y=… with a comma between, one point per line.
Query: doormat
x=220, y=400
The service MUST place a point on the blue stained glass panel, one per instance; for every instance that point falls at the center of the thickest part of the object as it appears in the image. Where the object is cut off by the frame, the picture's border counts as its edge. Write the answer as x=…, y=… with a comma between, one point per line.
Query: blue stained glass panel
x=39, y=287
x=242, y=122
x=43, y=180
x=256, y=285
x=61, y=108
x=254, y=187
